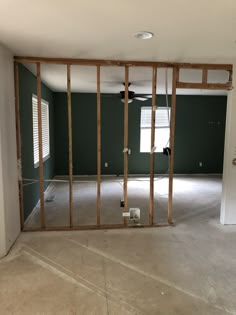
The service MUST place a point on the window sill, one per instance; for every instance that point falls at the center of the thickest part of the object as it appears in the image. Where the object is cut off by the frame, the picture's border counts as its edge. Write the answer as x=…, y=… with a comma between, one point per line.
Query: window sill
x=36, y=165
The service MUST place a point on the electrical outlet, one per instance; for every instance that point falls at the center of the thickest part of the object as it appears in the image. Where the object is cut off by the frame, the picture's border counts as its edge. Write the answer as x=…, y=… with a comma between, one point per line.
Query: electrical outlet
x=125, y=214
x=200, y=164
x=106, y=164
x=129, y=151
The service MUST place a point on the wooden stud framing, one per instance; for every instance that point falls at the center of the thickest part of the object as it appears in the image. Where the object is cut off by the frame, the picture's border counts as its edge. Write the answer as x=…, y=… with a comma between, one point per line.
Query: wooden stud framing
x=152, y=151
x=98, y=146
x=126, y=123
x=92, y=227
x=96, y=62
x=70, y=145
x=172, y=140
x=204, y=86
x=18, y=142
x=40, y=140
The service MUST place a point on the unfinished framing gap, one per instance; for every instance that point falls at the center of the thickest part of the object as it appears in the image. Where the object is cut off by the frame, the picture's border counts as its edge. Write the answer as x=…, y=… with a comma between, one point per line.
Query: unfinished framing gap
x=40, y=138
x=18, y=141
x=172, y=142
x=126, y=125
x=152, y=149
x=98, y=63
x=70, y=146
x=98, y=145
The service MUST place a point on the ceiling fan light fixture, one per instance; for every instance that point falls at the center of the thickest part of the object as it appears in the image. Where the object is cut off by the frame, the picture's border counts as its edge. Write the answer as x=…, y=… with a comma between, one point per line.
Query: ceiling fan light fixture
x=143, y=35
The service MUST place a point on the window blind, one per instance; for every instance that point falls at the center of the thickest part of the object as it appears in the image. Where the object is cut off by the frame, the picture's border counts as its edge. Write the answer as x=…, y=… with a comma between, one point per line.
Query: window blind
x=45, y=129
x=162, y=128
x=162, y=117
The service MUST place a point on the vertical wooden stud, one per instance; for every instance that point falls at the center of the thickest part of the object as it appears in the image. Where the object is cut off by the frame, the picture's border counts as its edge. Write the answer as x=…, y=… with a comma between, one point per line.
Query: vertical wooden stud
x=126, y=122
x=152, y=151
x=98, y=146
x=40, y=142
x=18, y=142
x=172, y=140
x=70, y=145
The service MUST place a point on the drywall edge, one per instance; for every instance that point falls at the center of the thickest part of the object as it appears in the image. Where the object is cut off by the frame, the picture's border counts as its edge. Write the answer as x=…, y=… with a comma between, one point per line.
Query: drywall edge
x=9, y=200
x=228, y=201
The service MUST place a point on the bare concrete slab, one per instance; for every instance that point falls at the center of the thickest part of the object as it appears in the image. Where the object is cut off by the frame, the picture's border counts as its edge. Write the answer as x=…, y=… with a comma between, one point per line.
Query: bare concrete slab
x=186, y=269
x=194, y=196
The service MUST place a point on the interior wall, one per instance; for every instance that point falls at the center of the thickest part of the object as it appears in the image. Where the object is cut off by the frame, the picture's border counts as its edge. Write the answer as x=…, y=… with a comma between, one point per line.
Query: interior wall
x=9, y=200
x=228, y=213
x=199, y=137
x=28, y=87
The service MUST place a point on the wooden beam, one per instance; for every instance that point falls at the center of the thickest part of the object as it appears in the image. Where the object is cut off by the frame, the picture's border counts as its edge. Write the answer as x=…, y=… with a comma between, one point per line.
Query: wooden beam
x=204, y=86
x=94, y=227
x=98, y=146
x=126, y=123
x=204, y=76
x=18, y=143
x=70, y=145
x=152, y=151
x=208, y=66
x=172, y=143
x=101, y=62
x=40, y=142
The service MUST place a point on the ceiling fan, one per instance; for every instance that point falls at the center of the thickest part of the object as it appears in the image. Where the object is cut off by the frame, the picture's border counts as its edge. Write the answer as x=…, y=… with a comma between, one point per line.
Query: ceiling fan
x=131, y=95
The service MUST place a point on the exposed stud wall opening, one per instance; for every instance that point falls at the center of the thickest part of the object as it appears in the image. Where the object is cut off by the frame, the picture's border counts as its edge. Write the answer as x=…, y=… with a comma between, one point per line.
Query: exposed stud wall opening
x=98, y=185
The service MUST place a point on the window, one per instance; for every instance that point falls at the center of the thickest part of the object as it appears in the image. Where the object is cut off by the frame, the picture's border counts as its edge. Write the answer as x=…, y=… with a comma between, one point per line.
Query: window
x=45, y=130
x=162, y=128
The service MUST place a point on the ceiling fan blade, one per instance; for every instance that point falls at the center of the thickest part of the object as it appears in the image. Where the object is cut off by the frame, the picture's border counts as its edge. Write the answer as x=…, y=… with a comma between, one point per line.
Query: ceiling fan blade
x=148, y=96
x=139, y=98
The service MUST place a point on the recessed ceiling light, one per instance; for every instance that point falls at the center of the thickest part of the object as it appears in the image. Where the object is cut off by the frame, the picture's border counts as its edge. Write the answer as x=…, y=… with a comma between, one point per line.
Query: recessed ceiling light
x=143, y=35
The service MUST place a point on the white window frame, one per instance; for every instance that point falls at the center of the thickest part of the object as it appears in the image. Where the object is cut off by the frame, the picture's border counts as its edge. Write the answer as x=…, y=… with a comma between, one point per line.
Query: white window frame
x=45, y=130
x=162, y=128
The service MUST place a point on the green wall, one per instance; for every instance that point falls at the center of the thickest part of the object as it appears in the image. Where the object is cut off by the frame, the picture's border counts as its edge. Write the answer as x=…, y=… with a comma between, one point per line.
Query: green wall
x=200, y=129
x=200, y=134
x=27, y=87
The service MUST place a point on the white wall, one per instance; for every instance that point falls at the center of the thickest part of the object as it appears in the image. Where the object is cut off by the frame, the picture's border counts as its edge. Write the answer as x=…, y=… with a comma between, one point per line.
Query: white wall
x=9, y=202
x=228, y=203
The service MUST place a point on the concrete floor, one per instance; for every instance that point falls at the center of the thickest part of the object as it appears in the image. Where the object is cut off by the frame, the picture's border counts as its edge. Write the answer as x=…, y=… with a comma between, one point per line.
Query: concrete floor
x=192, y=197
x=186, y=269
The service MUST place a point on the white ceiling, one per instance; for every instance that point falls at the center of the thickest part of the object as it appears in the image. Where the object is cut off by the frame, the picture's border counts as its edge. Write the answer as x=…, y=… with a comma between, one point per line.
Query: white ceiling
x=185, y=31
